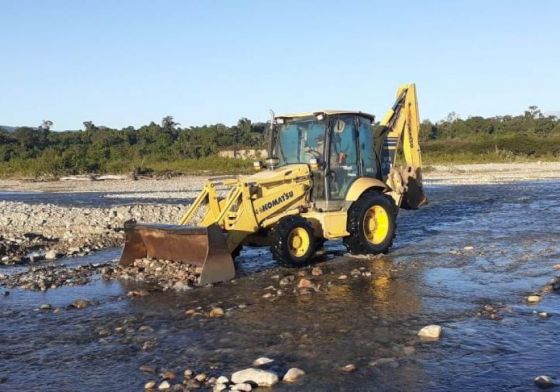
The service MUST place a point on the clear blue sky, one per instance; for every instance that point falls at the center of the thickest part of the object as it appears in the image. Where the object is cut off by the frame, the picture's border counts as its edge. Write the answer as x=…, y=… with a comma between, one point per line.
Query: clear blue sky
x=122, y=63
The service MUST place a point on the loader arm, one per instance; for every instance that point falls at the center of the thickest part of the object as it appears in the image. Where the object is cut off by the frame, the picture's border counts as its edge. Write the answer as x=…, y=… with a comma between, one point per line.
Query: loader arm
x=400, y=128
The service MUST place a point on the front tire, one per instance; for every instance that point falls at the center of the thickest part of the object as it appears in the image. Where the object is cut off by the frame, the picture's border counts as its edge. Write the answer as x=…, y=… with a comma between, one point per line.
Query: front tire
x=371, y=224
x=292, y=241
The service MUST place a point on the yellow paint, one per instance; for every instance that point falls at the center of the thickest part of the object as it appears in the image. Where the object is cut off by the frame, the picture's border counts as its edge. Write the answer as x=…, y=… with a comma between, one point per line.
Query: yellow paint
x=376, y=224
x=331, y=225
x=361, y=185
x=298, y=242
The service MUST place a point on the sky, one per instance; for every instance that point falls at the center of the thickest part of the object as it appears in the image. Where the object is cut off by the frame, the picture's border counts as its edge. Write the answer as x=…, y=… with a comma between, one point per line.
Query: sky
x=121, y=63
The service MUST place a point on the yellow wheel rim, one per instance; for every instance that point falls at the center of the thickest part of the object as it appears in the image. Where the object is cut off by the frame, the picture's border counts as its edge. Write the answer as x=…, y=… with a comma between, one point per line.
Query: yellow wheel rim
x=298, y=242
x=376, y=225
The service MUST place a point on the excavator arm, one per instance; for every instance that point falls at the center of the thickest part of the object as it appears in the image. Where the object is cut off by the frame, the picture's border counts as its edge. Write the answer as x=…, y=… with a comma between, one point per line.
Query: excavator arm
x=400, y=128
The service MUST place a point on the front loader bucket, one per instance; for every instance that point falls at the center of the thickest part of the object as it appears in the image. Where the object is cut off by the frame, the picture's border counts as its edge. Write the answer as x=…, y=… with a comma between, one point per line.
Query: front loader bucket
x=200, y=246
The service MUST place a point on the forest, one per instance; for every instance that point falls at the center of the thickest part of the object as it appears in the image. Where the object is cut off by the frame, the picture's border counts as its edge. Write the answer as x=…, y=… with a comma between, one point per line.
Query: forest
x=166, y=147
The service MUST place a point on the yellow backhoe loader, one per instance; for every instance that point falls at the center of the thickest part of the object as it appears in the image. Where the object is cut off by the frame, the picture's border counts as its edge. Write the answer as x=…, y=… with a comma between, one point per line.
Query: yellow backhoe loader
x=330, y=175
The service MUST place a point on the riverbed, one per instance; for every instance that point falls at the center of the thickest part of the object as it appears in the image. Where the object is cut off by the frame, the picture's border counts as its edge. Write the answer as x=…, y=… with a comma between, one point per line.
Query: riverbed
x=474, y=247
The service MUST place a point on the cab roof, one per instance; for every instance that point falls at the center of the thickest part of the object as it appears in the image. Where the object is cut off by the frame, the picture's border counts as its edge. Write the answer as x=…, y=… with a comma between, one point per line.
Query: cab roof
x=326, y=113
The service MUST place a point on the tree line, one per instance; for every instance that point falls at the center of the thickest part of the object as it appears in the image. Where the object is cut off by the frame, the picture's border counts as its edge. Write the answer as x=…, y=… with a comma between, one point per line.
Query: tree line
x=40, y=151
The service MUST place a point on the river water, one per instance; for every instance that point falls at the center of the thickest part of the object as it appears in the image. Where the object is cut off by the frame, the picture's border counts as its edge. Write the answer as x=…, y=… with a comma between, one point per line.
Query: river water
x=428, y=278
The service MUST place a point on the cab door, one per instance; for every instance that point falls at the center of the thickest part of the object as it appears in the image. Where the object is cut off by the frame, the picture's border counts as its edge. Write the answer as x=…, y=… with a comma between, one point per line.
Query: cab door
x=343, y=159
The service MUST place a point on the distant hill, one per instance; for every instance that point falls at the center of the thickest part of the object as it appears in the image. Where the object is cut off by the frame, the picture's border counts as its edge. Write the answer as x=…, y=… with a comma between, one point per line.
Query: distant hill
x=7, y=128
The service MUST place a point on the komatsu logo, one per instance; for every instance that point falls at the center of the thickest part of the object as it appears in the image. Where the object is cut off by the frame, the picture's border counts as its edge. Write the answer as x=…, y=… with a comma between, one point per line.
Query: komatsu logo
x=275, y=202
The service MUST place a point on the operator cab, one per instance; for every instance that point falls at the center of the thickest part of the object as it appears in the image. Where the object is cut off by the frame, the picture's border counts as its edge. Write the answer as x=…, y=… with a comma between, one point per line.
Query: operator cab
x=337, y=145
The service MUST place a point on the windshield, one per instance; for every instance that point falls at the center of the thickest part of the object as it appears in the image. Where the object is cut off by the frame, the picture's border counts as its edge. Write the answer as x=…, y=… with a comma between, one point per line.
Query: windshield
x=300, y=140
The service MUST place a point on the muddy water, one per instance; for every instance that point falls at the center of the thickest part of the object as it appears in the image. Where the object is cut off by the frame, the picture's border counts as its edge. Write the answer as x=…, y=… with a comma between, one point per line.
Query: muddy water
x=428, y=278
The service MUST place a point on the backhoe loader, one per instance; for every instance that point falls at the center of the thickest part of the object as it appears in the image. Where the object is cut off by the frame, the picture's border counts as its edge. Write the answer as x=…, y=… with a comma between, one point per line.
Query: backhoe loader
x=330, y=174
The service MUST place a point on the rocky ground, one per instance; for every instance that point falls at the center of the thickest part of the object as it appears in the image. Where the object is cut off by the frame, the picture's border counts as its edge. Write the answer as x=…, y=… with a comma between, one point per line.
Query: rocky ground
x=33, y=232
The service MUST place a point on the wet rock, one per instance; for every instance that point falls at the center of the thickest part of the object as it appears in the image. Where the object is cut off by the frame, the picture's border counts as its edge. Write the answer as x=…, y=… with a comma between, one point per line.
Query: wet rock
x=216, y=312
x=544, y=381
x=45, y=307
x=304, y=284
x=164, y=385
x=316, y=271
x=222, y=380
x=355, y=273
x=81, y=304
x=147, y=369
x=201, y=377
x=293, y=375
x=246, y=387
x=262, y=361
x=430, y=332
x=150, y=385
x=165, y=274
x=168, y=375
x=543, y=315
x=263, y=378
x=468, y=248
x=286, y=280
x=343, y=277
x=188, y=373
x=533, y=299
x=51, y=255
x=350, y=368
x=220, y=387
x=267, y=295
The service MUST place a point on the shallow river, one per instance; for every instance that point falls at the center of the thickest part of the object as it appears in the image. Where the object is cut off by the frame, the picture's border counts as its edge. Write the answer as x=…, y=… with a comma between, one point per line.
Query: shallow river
x=428, y=278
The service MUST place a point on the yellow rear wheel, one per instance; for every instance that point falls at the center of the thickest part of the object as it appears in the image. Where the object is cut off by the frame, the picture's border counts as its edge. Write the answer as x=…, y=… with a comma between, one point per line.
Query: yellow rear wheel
x=371, y=223
x=376, y=224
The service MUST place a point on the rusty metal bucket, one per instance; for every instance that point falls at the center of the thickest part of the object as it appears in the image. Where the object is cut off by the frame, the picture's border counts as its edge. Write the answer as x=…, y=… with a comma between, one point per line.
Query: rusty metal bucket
x=200, y=246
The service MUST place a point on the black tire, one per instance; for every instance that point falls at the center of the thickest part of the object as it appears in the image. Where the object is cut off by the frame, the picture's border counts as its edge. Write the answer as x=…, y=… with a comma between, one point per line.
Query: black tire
x=357, y=242
x=280, y=235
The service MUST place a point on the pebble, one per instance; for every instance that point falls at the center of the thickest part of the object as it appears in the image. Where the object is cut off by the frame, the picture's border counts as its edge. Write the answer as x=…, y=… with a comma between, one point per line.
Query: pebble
x=468, y=247
x=45, y=307
x=286, y=280
x=263, y=378
x=81, y=304
x=262, y=361
x=293, y=375
x=543, y=315
x=533, y=299
x=168, y=375
x=164, y=385
x=316, y=271
x=430, y=332
x=201, y=377
x=349, y=368
x=216, y=312
x=188, y=373
x=51, y=255
x=220, y=387
x=246, y=387
x=343, y=277
x=544, y=381
x=222, y=380
x=147, y=369
x=304, y=283
x=150, y=385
